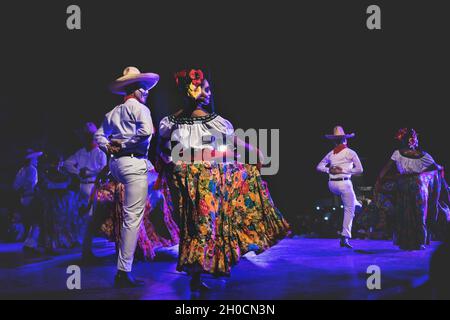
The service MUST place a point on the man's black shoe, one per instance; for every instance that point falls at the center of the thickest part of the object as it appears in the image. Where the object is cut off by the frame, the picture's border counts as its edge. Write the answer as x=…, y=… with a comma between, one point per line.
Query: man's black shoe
x=126, y=280
x=344, y=243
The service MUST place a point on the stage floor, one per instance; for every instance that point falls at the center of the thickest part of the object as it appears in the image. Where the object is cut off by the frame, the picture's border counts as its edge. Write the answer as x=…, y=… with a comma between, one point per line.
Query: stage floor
x=296, y=268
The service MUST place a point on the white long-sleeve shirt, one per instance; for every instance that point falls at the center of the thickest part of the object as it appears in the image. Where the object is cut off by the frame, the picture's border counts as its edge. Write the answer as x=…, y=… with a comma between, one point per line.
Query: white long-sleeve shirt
x=347, y=159
x=131, y=124
x=26, y=179
x=94, y=161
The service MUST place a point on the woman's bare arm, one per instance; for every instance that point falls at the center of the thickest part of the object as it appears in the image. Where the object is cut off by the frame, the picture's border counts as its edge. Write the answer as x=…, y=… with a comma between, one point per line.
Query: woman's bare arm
x=383, y=172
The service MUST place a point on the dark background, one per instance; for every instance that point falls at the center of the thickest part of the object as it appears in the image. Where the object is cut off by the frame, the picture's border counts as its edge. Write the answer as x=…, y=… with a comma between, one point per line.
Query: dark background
x=298, y=66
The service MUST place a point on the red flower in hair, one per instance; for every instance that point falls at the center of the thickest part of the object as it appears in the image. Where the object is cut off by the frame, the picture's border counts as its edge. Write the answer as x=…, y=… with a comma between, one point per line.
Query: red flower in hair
x=196, y=77
x=401, y=134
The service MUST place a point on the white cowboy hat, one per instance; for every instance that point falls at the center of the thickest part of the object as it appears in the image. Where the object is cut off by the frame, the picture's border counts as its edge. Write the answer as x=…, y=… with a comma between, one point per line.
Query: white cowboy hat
x=30, y=154
x=133, y=75
x=338, y=132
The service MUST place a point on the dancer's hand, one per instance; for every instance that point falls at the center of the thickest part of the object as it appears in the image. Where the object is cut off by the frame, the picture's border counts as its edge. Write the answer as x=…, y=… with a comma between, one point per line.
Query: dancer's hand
x=336, y=170
x=83, y=173
x=114, y=147
x=116, y=143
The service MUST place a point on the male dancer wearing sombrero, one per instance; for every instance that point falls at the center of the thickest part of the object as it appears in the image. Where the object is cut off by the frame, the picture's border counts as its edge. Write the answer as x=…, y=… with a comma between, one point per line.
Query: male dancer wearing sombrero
x=341, y=163
x=25, y=183
x=86, y=164
x=125, y=135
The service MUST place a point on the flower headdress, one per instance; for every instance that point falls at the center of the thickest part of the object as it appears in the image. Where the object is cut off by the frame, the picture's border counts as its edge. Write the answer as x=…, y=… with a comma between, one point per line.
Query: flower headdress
x=190, y=80
x=408, y=137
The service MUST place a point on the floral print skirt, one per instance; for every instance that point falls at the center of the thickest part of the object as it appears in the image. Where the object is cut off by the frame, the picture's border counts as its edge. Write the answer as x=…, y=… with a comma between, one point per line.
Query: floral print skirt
x=225, y=211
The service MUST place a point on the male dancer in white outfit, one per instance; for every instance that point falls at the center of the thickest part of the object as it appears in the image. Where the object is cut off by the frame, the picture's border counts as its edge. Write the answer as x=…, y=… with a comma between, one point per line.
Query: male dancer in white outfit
x=341, y=163
x=125, y=134
x=87, y=163
x=25, y=183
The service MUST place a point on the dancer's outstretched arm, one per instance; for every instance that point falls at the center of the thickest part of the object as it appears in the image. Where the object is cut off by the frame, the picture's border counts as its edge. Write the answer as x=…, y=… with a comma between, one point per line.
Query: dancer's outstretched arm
x=251, y=150
x=383, y=172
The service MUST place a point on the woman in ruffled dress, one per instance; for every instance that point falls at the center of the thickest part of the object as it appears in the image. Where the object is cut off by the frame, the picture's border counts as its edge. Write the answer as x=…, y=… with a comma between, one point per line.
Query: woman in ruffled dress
x=417, y=191
x=225, y=207
x=60, y=207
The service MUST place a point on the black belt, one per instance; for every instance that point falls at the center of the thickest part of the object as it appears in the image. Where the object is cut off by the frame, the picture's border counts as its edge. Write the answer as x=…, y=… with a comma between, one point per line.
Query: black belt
x=132, y=155
x=339, y=179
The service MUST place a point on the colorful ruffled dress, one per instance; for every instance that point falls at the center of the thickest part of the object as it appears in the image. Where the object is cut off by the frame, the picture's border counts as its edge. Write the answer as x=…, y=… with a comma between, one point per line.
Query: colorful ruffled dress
x=413, y=197
x=59, y=227
x=225, y=207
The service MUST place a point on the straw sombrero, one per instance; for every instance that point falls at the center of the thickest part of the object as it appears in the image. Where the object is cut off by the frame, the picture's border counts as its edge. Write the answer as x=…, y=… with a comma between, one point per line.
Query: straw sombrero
x=338, y=133
x=30, y=154
x=133, y=75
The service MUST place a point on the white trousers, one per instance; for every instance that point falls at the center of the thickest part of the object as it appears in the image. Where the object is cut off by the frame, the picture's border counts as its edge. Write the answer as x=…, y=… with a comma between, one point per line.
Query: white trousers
x=85, y=193
x=87, y=231
x=31, y=240
x=344, y=189
x=132, y=173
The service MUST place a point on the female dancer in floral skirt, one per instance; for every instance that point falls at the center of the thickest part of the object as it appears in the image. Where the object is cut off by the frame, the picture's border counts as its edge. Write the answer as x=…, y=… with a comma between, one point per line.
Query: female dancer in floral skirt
x=225, y=207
